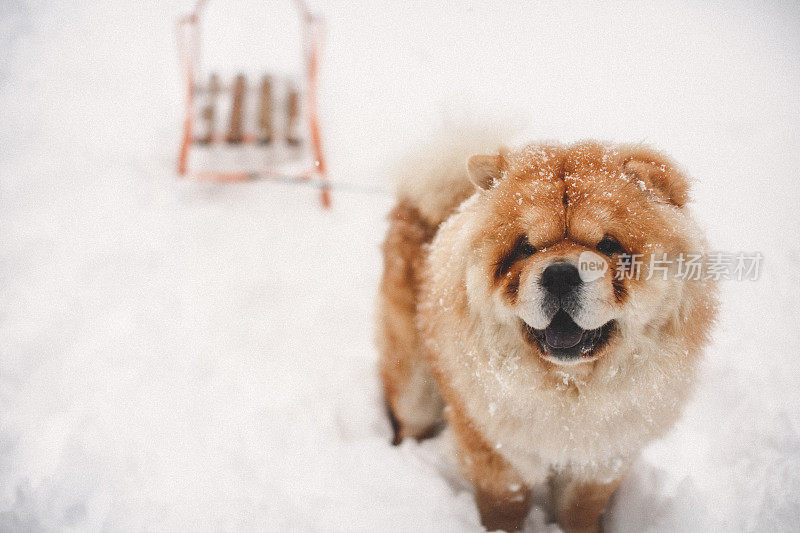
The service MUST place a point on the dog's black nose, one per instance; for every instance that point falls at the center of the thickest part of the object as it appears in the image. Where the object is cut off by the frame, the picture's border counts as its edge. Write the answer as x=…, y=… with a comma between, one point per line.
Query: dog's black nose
x=560, y=278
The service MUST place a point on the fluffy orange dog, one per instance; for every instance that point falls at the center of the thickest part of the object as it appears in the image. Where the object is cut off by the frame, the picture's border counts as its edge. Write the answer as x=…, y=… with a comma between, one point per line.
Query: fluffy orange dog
x=550, y=373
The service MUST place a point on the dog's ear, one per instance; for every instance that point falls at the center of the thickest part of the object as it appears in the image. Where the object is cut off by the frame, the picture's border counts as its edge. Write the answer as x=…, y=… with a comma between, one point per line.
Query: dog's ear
x=658, y=172
x=485, y=170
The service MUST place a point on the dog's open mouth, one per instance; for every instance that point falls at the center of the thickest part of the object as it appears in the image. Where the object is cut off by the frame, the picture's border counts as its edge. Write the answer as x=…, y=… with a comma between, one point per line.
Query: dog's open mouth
x=565, y=340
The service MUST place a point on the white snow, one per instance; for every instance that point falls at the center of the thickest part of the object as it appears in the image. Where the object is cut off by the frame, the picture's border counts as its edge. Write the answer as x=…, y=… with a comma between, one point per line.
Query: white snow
x=179, y=356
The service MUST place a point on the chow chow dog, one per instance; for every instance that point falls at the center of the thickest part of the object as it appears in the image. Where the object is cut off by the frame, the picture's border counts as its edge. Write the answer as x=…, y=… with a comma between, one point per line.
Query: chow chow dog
x=549, y=373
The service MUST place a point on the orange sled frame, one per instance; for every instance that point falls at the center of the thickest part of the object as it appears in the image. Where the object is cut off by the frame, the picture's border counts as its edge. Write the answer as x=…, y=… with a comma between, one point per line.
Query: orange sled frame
x=189, y=50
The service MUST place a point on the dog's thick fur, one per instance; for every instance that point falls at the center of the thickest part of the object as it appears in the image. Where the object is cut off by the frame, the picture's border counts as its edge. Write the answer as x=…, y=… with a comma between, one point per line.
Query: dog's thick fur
x=457, y=304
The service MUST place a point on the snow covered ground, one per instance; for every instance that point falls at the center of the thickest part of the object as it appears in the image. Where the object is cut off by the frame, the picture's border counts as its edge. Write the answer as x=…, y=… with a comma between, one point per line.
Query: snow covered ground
x=178, y=356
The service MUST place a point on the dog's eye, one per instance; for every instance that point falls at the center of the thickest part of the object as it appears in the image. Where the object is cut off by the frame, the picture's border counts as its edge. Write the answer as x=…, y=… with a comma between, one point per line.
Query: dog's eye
x=525, y=248
x=522, y=249
x=609, y=246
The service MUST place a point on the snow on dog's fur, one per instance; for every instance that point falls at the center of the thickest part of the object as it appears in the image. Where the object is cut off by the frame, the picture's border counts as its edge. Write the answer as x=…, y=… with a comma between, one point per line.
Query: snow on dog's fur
x=545, y=378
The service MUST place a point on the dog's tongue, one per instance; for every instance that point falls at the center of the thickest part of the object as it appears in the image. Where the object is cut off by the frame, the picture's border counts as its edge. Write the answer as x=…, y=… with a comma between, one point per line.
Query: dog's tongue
x=563, y=332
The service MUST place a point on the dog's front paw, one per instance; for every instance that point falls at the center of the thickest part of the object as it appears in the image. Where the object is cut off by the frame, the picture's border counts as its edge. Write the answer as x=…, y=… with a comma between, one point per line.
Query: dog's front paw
x=503, y=512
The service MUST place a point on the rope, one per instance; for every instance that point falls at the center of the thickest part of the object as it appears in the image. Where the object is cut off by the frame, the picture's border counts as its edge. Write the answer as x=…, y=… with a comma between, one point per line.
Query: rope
x=345, y=187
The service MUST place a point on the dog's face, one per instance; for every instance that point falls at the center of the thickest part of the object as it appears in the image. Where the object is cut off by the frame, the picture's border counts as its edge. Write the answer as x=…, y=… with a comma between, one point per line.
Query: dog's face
x=564, y=249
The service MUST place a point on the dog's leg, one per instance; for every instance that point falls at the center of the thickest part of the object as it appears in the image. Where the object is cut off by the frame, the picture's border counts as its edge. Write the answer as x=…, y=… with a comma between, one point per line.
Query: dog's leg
x=579, y=503
x=412, y=396
x=502, y=496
